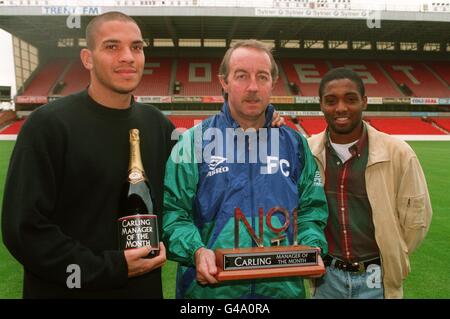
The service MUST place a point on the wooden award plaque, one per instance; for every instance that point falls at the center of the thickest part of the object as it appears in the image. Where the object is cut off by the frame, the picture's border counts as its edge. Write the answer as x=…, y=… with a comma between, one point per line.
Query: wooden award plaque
x=268, y=262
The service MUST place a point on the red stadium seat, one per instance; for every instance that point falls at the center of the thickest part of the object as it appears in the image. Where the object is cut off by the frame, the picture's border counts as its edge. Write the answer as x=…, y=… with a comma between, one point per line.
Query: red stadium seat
x=442, y=69
x=6, y=117
x=375, y=81
x=306, y=73
x=185, y=121
x=417, y=77
x=76, y=78
x=44, y=80
x=312, y=125
x=404, y=126
x=14, y=128
x=156, y=78
x=199, y=76
x=443, y=123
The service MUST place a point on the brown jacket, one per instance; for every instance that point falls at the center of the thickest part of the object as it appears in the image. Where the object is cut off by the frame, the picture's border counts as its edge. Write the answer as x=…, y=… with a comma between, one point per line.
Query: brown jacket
x=398, y=195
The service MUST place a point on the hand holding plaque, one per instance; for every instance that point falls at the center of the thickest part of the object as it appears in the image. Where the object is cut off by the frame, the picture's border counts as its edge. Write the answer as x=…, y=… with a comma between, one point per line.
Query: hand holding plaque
x=266, y=262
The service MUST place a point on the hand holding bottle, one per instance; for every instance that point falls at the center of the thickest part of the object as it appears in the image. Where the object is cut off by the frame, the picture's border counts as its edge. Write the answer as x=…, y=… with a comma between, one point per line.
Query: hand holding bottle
x=139, y=265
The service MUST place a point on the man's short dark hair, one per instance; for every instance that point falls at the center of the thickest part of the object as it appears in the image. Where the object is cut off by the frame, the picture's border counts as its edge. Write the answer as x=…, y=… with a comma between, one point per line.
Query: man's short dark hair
x=341, y=73
x=94, y=24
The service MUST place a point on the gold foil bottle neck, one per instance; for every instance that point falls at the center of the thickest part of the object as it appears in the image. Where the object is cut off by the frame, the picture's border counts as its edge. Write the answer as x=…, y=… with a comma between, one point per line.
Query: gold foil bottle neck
x=135, y=169
x=134, y=135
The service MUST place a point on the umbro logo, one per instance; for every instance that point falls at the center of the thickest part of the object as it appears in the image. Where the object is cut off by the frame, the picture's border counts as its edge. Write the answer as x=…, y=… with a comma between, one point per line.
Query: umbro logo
x=216, y=161
x=317, y=179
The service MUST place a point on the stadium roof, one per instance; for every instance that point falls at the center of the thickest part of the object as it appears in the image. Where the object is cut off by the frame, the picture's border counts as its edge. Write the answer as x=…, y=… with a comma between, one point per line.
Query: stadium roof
x=43, y=30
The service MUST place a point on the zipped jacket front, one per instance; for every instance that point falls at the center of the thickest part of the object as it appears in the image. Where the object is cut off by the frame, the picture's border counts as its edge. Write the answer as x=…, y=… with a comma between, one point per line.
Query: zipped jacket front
x=214, y=170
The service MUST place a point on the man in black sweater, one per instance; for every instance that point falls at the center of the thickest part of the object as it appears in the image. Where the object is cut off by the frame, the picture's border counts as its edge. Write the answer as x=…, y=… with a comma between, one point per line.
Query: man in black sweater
x=69, y=163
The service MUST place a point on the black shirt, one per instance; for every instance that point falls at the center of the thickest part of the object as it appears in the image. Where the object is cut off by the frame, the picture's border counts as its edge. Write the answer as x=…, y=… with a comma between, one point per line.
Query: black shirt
x=62, y=196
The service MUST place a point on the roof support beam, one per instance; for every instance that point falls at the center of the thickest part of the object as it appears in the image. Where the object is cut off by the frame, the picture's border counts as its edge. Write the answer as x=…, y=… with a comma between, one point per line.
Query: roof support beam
x=232, y=31
x=263, y=28
x=172, y=31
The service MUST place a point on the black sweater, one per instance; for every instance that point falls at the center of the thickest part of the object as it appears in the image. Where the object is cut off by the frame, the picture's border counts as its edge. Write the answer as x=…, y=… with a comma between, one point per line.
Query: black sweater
x=62, y=195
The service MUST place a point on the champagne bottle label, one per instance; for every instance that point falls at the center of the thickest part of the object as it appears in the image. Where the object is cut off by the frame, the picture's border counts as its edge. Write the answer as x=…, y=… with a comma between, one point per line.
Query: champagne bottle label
x=138, y=231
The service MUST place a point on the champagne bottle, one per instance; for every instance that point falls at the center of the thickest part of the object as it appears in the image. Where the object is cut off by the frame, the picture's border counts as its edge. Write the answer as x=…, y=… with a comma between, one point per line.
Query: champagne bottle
x=137, y=225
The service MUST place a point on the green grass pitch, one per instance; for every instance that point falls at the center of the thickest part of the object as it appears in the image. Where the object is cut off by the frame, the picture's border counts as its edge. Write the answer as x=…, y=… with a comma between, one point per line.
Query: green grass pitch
x=430, y=276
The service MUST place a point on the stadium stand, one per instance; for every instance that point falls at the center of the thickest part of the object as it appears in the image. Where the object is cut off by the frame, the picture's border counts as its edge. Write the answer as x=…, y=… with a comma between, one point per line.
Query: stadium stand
x=184, y=53
x=185, y=121
x=312, y=125
x=443, y=123
x=404, y=126
x=305, y=73
x=6, y=117
x=376, y=81
x=389, y=125
x=198, y=76
x=76, y=78
x=46, y=77
x=417, y=78
x=156, y=78
x=442, y=69
x=14, y=128
x=155, y=81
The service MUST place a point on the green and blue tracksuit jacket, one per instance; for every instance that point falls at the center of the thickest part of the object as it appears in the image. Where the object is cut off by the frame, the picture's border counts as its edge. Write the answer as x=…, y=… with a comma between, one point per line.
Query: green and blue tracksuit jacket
x=211, y=172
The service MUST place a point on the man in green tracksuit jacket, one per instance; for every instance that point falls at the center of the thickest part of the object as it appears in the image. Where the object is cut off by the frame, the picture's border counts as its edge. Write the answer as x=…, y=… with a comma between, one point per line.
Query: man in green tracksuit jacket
x=208, y=179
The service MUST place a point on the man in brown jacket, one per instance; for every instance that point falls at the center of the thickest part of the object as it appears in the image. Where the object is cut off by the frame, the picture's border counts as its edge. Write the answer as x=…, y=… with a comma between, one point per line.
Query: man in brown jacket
x=379, y=206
